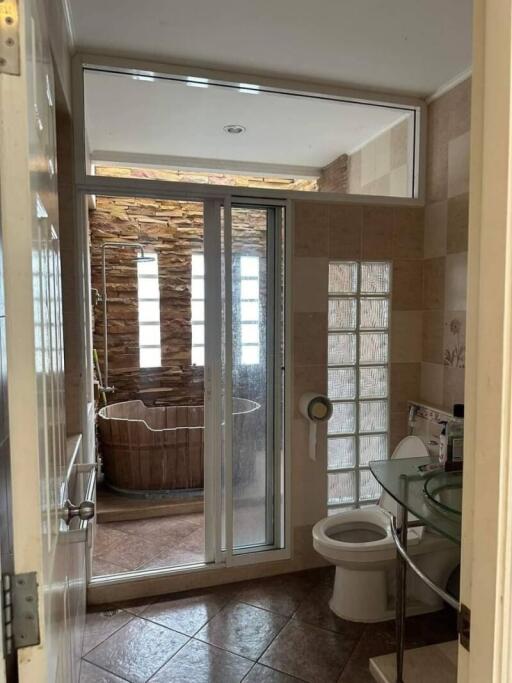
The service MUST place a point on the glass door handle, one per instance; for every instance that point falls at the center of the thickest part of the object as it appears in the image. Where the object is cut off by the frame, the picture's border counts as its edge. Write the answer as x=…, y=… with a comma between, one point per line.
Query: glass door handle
x=84, y=511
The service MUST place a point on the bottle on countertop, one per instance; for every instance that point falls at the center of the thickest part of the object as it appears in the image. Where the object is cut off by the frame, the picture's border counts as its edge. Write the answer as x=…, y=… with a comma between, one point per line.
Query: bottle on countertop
x=443, y=444
x=455, y=440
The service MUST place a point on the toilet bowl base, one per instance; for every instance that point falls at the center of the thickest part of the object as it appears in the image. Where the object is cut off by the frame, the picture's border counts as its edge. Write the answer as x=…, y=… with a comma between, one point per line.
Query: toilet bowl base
x=363, y=596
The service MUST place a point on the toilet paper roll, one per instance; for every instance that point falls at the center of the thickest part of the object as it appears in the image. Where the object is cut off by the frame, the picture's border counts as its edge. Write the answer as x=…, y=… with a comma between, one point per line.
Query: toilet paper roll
x=315, y=408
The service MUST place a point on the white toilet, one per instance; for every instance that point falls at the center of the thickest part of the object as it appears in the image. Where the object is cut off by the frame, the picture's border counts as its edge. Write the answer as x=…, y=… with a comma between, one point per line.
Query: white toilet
x=360, y=544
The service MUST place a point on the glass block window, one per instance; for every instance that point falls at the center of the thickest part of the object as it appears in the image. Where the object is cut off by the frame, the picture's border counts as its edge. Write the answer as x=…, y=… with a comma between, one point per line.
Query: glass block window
x=359, y=312
x=197, y=309
x=148, y=291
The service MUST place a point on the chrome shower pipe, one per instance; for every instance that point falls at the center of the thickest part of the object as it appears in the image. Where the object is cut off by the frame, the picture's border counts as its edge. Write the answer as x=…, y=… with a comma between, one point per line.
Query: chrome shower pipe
x=111, y=245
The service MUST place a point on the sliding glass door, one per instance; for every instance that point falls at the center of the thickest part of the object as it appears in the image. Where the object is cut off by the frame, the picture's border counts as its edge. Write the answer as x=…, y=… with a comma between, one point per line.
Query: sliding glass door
x=246, y=366
x=191, y=320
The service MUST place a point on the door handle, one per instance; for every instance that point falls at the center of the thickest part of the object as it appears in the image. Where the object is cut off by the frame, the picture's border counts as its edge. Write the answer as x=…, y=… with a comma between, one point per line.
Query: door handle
x=85, y=511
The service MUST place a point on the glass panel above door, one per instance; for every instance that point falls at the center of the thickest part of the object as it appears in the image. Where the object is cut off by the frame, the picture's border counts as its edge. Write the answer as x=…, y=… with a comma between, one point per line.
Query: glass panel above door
x=195, y=130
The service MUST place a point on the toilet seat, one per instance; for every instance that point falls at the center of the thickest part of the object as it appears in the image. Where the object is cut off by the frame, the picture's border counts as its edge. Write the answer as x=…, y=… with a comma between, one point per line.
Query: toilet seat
x=370, y=517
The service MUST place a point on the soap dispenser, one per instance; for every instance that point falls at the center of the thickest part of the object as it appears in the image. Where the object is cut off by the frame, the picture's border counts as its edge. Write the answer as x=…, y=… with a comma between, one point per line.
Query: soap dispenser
x=455, y=440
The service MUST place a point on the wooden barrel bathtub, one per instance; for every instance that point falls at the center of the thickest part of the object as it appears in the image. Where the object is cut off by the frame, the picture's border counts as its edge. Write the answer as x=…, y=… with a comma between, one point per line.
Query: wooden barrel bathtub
x=150, y=449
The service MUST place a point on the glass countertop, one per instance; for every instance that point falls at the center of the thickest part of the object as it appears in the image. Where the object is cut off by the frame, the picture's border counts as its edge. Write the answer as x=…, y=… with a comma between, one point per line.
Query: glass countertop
x=405, y=482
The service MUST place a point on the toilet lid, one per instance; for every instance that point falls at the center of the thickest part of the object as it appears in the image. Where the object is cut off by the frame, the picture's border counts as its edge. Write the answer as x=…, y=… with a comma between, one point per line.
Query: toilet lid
x=410, y=447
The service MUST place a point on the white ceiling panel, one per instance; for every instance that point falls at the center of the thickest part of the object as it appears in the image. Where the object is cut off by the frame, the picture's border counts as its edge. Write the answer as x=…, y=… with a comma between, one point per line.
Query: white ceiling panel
x=411, y=46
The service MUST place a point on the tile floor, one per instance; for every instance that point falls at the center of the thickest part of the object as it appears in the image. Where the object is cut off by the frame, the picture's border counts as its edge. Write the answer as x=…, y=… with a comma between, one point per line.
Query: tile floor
x=148, y=543
x=275, y=630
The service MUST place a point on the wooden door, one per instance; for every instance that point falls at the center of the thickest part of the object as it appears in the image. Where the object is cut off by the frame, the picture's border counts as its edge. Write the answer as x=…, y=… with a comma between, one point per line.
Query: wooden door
x=40, y=451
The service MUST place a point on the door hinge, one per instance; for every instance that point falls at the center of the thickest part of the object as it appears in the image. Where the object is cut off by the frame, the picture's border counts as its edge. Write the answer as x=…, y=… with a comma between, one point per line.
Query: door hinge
x=21, y=614
x=464, y=625
x=9, y=38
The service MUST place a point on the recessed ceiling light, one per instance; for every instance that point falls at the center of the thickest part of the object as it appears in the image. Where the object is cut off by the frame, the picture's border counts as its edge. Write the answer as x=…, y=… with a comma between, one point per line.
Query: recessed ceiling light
x=234, y=129
x=197, y=82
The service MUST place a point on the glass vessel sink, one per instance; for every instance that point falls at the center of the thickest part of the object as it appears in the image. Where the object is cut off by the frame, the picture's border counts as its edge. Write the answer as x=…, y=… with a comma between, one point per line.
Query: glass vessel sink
x=444, y=491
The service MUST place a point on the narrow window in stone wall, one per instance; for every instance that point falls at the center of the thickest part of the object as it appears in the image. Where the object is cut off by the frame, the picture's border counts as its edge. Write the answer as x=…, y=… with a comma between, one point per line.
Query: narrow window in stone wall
x=358, y=379
x=150, y=353
x=197, y=309
x=250, y=310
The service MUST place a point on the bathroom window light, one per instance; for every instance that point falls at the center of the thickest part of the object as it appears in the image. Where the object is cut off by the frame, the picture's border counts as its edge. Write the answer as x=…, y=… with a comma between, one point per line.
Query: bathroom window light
x=250, y=310
x=247, y=303
x=358, y=379
x=148, y=290
x=197, y=309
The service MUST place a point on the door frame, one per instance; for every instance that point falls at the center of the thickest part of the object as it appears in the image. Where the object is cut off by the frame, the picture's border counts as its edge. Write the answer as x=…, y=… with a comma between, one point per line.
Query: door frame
x=486, y=565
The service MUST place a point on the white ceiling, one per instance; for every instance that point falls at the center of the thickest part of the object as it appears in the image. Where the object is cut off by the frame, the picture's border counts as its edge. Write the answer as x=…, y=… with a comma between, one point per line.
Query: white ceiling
x=407, y=46
x=165, y=121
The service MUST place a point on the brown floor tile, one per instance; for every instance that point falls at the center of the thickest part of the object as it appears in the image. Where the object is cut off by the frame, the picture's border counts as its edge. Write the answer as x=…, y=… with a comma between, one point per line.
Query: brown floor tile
x=92, y=674
x=175, y=556
x=106, y=537
x=310, y=653
x=101, y=567
x=377, y=639
x=242, y=629
x=101, y=625
x=131, y=551
x=199, y=662
x=137, y=650
x=149, y=543
x=186, y=615
x=280, y=594
x=315, y=610
x=175, y=527
x=262, y=674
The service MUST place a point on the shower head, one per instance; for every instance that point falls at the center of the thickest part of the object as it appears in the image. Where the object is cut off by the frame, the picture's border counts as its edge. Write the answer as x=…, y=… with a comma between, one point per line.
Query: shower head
x=144, y=258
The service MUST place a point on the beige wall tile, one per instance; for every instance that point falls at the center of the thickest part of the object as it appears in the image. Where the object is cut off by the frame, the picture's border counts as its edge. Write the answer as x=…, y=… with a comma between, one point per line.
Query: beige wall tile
x=405, y=385
x=345, y=221
x=382, y=154
x=406, y=336
x=377, y=232
x=408, y=233
x=437, y=150
x=310, y=338
x=432, y=384
x=458, y=103
x=457, y=224
x=367, y=165
x=407, y=285
x=454, y=341
x=381, y=186
x=310, y=284
x=456, y=282
x=399, y=182
x=433, y=283
x=458, y=165
x=355, y=173
x=453, y=391
x=311, y=233
x=399, y=145
x=433, y=331
x=436, y=217
x=309, y=479
x=308, y=378
x=397, y=429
